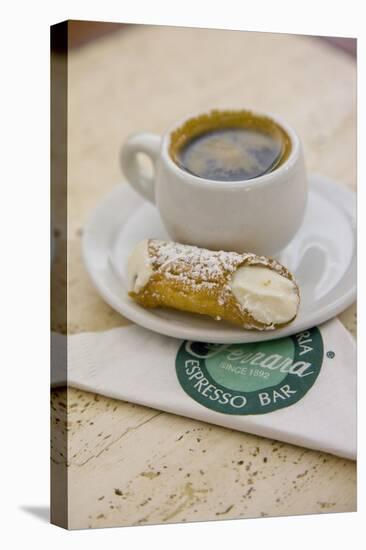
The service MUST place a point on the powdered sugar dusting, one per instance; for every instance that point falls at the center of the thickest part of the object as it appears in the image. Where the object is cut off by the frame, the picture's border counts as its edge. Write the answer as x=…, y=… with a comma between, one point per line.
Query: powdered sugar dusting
x=192, y=265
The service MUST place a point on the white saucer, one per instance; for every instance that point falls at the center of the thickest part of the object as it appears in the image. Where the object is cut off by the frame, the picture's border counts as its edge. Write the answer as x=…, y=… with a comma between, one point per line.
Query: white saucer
x=322, y=256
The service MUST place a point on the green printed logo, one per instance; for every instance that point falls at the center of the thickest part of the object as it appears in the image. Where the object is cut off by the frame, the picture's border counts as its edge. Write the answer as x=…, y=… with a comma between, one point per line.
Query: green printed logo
x=250, y=378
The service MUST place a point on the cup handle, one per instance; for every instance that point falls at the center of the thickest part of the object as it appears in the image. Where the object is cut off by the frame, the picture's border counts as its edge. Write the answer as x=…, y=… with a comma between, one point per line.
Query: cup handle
x=149, y=144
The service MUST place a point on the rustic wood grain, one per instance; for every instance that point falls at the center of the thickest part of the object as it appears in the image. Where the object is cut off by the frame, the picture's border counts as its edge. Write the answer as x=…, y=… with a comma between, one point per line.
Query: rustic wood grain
x=130, y=465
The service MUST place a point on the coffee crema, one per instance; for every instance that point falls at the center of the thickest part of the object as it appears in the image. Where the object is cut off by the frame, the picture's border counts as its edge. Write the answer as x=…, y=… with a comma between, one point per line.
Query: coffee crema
x=229, y=146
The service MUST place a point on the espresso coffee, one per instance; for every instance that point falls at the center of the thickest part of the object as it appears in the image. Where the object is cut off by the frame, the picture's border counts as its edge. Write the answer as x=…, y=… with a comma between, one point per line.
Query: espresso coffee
x=230, y=146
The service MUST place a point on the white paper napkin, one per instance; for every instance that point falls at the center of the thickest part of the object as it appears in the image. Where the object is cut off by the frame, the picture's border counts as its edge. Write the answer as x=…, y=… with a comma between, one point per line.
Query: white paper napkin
x=312, y=403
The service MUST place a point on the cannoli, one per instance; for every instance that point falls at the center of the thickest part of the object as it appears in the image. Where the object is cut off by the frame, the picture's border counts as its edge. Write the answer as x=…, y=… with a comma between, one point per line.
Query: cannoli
x=252, y=291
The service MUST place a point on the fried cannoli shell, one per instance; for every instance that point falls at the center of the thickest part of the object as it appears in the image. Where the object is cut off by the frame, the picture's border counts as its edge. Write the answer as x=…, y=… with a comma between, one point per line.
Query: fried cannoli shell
x=198, y=280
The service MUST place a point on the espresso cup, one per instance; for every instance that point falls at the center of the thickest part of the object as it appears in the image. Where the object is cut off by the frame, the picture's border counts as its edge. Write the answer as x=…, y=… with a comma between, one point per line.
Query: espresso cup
x=260, y=214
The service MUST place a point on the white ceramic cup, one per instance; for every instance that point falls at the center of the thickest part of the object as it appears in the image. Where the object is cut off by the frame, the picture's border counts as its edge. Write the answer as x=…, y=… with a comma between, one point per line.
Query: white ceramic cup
x=259, y=215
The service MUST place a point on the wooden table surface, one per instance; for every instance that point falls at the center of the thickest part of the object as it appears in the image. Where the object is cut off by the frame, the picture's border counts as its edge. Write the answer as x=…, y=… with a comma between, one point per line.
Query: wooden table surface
x=130, y=465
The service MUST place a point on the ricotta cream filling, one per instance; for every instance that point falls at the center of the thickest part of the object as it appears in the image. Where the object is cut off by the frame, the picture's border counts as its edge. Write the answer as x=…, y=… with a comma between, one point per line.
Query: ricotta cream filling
x=268, y=296
x=139, y=269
